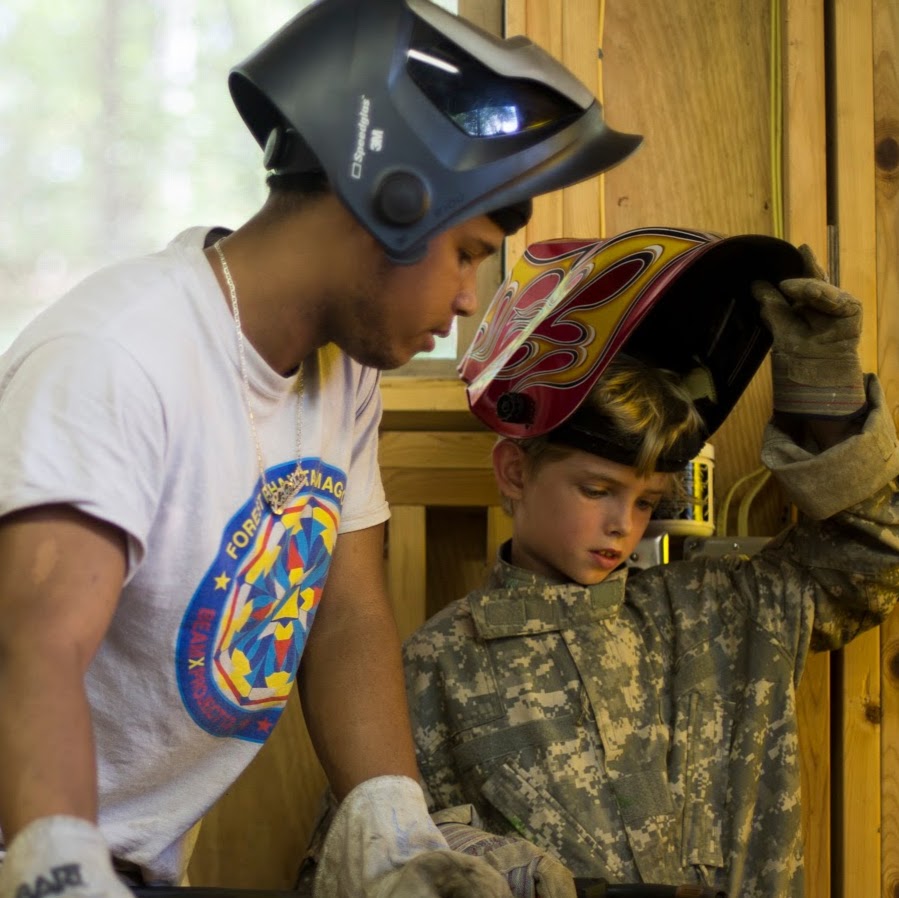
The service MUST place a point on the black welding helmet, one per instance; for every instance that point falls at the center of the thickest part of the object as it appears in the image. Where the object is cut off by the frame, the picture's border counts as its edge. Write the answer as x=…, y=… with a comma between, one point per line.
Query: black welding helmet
x=676, y=299
x=419, y=119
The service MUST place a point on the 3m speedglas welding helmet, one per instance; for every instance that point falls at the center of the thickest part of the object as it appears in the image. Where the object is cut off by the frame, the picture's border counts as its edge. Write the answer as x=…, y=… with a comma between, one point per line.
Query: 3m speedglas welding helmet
x=676, y=299
x=419, y=119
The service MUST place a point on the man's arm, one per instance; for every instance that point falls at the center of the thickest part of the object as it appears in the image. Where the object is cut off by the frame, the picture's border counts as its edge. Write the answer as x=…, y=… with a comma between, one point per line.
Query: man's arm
x=382, y=842
x=61, y=574
x=351, y=677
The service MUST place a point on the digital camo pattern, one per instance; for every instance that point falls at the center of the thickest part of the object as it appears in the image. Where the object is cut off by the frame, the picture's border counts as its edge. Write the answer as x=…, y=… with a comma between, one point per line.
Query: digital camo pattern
x=645, y=728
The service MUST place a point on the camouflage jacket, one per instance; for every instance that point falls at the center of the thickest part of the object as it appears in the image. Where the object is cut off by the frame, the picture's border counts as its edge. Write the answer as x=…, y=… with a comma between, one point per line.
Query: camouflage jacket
x=645, y=728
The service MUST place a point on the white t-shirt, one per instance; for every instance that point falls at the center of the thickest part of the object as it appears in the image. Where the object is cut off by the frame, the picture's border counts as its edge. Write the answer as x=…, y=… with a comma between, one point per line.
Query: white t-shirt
x=125, y=400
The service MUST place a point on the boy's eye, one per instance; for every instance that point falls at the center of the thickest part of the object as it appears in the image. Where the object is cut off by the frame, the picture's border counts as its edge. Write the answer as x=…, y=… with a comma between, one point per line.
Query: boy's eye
x=649, y=505
x=594, y=492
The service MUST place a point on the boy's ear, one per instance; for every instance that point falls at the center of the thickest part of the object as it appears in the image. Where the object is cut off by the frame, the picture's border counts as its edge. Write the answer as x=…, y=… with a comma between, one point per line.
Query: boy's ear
x=509, y=468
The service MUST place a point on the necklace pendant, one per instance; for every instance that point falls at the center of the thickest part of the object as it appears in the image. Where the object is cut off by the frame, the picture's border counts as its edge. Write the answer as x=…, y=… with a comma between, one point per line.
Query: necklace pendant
x=278, y=496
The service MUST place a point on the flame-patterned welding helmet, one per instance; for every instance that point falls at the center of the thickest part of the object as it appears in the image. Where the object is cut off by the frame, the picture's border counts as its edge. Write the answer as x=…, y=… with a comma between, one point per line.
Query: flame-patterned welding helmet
x=674, y=298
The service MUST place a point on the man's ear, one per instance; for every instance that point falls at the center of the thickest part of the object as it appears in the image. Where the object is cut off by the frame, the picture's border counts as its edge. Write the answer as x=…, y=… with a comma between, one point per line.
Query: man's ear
x=509, y=468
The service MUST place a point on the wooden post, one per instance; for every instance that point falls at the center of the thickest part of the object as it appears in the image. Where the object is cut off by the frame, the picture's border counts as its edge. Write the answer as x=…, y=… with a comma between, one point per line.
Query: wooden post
x=857, y=785
x=805, y=221
x=886, y=184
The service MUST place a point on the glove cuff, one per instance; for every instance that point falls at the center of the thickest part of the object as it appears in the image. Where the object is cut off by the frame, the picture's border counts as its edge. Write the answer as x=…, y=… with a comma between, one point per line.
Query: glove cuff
x=817, y=388
x=60, y=855
x=377, y=828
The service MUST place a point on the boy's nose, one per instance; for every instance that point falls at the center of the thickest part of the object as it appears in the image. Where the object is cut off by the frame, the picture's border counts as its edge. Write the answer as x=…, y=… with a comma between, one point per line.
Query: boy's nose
x=619, y=522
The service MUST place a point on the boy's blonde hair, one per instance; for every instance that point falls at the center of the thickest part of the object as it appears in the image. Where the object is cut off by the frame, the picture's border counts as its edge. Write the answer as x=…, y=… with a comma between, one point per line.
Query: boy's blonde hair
x=636, y=415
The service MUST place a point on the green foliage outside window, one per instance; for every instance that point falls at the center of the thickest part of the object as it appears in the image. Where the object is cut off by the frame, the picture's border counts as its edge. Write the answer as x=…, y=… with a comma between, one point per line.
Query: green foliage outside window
x=117, y=132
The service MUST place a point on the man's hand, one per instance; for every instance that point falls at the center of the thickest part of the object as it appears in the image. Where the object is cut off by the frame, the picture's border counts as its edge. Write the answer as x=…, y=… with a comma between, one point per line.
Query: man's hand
x=383, y=844
x=816, y=328
x=62, y=856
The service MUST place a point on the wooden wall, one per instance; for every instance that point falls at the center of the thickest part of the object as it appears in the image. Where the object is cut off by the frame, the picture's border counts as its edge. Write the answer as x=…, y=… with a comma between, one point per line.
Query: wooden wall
x=734, y=117
x=766, y=116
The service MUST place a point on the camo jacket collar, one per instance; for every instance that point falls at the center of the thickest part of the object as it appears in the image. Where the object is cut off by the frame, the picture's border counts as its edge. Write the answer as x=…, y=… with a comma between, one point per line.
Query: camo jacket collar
x=517, y=602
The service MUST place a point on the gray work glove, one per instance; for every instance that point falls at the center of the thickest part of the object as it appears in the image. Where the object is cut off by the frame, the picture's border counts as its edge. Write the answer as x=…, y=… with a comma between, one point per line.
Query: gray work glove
x=530, y=871
x=816, y=327
x=382, y=843
x=65, y=857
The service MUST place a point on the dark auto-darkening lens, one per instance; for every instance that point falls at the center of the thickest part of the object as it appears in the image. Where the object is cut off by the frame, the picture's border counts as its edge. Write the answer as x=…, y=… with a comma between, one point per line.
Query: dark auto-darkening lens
x=478, y=100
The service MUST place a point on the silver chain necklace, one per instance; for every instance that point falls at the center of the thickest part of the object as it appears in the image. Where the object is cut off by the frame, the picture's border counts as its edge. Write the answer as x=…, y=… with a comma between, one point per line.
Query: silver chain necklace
x=276, y=495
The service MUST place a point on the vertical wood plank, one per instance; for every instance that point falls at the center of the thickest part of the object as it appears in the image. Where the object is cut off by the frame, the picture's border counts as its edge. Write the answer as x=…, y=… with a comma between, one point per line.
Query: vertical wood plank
x=886, y=160
x=805, y=221
x=805, y=126
x=456, y=560
x=859, y=866
x=581, y=39
x=853, y=88
x=570, y=31
x=499, y=529
x=516, y=22
x=890, y=756
x=406, y=566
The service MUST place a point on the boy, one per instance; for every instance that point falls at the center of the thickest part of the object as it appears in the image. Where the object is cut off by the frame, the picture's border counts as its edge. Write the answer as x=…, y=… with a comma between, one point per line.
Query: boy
x=188, y=462
x=640, y=726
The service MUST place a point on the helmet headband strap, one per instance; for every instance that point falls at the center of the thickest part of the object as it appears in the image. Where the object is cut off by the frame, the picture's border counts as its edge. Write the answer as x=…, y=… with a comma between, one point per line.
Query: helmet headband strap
x=624, y=450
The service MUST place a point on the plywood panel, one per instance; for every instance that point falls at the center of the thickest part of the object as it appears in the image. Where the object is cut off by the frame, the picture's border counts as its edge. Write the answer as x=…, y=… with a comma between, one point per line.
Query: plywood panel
x=694, y=81
x=696, y=85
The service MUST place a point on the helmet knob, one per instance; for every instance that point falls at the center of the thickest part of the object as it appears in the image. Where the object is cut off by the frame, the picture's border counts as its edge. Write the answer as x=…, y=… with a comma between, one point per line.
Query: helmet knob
x=515, y=408
x=402, y=198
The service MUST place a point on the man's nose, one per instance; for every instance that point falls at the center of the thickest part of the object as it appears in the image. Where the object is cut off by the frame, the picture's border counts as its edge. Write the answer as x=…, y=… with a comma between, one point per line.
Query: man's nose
x=466, y=301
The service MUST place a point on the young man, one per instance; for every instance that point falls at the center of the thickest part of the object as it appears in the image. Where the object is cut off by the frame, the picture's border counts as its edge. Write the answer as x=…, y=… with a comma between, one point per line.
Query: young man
x=640, y=726
x=188, y=468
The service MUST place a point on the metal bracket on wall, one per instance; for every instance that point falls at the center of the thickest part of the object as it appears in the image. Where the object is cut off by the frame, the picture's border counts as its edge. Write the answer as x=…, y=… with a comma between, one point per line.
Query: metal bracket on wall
x=723, y=546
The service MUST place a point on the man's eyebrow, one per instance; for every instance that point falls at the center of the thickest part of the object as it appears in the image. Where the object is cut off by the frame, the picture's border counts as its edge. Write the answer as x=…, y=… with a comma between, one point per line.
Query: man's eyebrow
x=485, y=247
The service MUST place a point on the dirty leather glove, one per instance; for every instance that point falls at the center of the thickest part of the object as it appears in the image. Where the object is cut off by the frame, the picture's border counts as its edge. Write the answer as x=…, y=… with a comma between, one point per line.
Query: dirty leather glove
x=66, y=857
x=382, y=843
x=530, y=871
x=816, y=327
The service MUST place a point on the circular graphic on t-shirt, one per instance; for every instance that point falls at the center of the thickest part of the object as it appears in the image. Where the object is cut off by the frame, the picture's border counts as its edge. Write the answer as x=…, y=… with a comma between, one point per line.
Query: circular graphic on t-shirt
x=240, y=642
